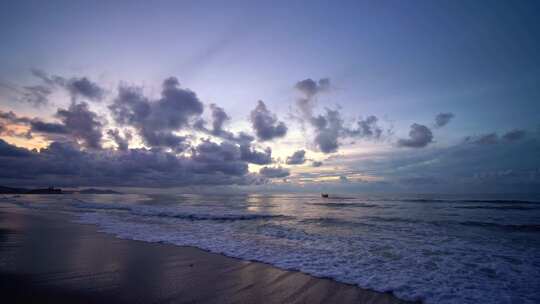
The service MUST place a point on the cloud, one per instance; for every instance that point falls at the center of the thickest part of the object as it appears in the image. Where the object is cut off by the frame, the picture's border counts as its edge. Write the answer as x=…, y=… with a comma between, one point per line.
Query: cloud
x=7, y=150
x=77, y=122
x=310, y=89
x=219, y=117
x=9, y=122
x=419, y=137
x=49, y=80
x=157, y=120
x=13, y=118
x=83, y=87
x=367, y=128
x=514, y=135
x=328, y=129
x=224, y=158
x=442, y=119
x=266, y=124
x=297, y=158
x=45, y=127
x=82, y=124
x=316, y=164
x=461, y=167
x=122, y=142
x=37, y=95
x=343, y=179
x=493, y=138
x=484, y=139
x=65, y=164
x=250, y=155
x=277, y=172
x=75, y=86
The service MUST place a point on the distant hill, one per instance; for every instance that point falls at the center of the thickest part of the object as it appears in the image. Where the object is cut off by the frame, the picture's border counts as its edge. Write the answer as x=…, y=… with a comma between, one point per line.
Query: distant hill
x=9, y=190
x=50, y=190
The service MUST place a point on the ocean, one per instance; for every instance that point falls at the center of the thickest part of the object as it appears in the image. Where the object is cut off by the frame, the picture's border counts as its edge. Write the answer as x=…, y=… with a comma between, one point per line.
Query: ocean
x=433, y=248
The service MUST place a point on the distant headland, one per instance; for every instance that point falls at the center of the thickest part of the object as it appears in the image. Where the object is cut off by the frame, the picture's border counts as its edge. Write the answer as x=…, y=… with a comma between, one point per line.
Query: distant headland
x=53, y=190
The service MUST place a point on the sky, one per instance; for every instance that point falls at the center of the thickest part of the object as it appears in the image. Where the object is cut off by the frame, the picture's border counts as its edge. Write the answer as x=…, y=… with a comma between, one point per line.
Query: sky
x=385, y=96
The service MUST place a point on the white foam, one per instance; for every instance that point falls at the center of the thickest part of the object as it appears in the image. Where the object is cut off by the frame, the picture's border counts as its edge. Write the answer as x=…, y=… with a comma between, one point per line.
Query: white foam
x=441, y=270
x=419, y=251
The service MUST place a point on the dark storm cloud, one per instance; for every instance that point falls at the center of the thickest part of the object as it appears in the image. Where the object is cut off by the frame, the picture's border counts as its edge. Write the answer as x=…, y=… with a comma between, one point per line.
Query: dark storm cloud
x=122, y=142
x=277, y=172
x=157, y=120
x=82, y=123
x=298, y=158
x=266, y=124
x=419, y=137
x=65, y=164
x=442, y=119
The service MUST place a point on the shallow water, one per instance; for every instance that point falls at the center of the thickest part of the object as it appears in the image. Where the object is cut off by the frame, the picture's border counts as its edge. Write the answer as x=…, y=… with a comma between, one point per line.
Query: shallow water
x=439, y=249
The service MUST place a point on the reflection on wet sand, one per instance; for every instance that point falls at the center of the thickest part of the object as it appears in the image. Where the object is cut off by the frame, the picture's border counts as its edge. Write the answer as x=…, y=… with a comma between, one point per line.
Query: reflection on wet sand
x=44, y=257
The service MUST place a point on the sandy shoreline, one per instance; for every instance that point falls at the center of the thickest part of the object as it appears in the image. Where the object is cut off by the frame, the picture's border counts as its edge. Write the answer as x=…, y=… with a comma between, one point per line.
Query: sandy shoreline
x=46, y=258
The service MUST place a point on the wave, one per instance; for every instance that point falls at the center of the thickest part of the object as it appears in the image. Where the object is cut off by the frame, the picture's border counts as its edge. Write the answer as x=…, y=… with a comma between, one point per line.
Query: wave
x=495, y=201
x=506, y=207
x=509, y=227
x=352, y=205
x=331, y=221
x=172, y=213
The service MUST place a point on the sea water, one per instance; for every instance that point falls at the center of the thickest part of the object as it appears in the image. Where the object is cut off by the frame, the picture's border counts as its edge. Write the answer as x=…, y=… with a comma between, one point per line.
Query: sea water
x=433, y=248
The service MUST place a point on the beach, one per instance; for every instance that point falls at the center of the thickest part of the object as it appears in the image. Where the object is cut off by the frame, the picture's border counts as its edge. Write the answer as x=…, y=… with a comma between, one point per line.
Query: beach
x=46, y=258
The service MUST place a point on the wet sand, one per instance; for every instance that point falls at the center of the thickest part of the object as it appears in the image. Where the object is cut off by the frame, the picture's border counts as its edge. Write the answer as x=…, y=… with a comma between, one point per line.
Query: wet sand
x=45, y=258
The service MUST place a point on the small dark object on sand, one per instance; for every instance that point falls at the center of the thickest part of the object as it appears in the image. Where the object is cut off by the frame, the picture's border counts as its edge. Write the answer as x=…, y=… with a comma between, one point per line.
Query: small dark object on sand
x=324, y=195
